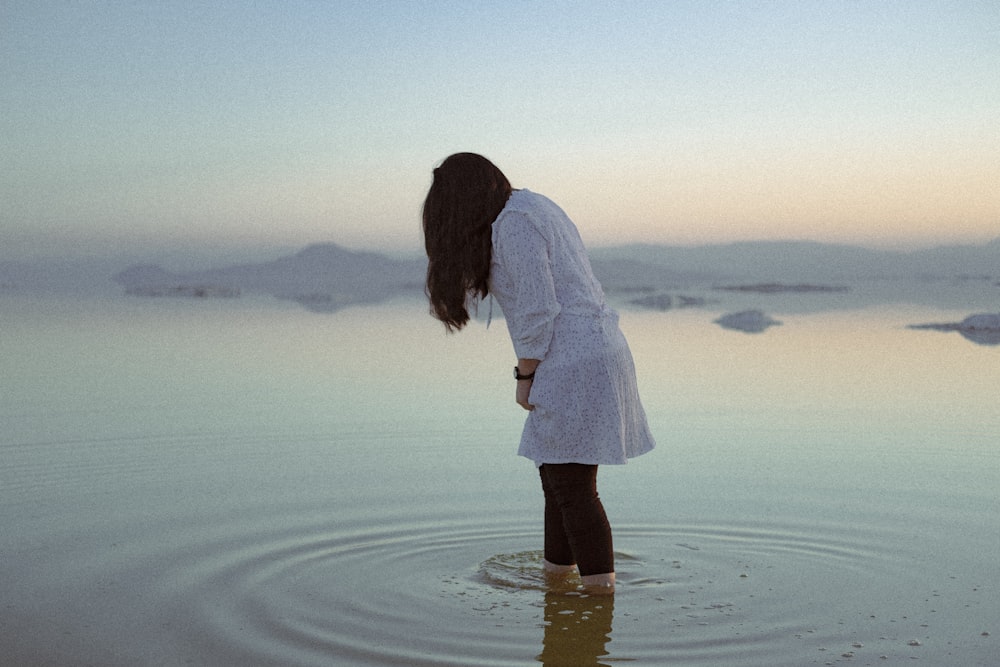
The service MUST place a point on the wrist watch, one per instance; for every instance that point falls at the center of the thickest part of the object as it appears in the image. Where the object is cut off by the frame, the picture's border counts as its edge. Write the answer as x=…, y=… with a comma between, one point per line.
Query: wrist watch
x=518, y=376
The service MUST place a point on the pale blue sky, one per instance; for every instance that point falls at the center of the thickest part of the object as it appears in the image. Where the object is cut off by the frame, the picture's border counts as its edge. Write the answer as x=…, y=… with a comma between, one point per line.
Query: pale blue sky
x=126, y=125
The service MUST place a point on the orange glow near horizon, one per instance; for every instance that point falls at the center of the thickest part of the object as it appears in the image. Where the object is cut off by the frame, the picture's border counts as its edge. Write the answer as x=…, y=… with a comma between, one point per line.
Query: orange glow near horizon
x=673, y=123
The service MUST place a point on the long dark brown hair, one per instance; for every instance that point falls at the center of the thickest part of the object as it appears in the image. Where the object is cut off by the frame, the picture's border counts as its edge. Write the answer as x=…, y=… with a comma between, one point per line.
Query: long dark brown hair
x=465, y=198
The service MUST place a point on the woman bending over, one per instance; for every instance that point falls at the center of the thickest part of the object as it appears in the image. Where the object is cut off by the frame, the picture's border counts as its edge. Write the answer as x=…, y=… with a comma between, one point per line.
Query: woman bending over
x=574, y=374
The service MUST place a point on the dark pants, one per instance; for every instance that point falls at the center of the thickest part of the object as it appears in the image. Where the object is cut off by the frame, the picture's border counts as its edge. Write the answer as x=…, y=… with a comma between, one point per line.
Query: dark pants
x=576, y=527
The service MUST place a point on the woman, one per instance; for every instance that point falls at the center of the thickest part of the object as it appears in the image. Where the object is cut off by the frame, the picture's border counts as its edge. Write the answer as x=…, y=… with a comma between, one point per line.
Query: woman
x=574, y=371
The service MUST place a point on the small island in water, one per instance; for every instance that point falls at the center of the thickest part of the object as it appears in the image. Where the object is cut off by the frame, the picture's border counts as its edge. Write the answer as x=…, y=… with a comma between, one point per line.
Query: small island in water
x=982, y=328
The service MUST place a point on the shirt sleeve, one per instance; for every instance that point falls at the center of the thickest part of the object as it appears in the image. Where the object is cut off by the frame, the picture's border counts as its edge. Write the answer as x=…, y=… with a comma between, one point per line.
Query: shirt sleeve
x=523, y=251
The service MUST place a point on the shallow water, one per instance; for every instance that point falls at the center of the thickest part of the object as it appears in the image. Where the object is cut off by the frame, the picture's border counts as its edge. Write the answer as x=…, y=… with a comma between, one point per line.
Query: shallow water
x=246, y=483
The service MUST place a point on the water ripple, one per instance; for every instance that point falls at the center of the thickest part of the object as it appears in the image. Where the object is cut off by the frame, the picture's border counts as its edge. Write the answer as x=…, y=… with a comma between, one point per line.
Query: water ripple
x=432, y=593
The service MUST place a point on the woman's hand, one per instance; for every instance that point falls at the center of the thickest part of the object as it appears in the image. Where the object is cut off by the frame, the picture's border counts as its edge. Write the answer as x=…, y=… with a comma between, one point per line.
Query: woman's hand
x=523, y=389
x=525, y=367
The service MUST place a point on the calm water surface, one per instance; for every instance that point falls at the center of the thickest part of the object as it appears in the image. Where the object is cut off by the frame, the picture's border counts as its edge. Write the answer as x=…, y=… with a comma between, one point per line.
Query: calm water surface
x=246, y=483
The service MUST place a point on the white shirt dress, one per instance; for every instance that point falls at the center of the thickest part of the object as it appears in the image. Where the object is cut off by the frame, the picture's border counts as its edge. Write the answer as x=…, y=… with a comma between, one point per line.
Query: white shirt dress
x=587, y=407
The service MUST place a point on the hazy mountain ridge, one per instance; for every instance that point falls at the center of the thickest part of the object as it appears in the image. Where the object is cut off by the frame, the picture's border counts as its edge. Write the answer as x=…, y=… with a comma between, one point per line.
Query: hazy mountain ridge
x=808, y=260
x=322, y=277
x=328, y=276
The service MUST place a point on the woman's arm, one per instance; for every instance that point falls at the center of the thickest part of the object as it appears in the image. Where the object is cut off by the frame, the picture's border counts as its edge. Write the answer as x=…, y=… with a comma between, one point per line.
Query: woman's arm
x=521, y=251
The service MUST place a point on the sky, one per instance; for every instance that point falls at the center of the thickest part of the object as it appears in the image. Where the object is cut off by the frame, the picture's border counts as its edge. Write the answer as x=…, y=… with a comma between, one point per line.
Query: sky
x=129, y=126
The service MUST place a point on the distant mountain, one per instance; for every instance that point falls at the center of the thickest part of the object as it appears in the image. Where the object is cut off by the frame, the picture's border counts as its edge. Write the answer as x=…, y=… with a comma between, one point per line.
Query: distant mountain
x=810, y=261
x=322, y=277
x=959, y=260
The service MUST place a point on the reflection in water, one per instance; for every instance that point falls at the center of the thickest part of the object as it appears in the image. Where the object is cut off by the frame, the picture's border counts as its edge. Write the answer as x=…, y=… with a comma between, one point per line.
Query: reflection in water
x=166, y=497
x=577, y=629
x=982, y=329
x=986, y=337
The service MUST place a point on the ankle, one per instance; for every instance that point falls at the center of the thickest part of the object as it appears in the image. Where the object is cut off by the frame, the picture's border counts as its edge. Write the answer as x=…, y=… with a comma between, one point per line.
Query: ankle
x=599, y=584
x=557, y=570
